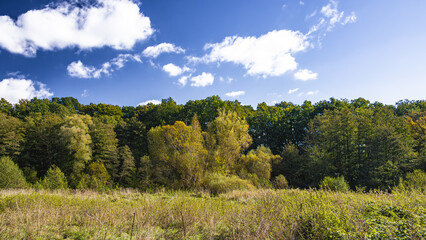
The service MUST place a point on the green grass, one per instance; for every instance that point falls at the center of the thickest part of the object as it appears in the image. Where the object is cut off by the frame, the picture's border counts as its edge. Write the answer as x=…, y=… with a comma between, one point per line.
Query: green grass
x=255, y=214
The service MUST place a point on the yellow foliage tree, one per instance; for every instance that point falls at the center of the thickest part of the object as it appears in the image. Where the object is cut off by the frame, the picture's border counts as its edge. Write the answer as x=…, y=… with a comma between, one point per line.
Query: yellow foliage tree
x=177, y=154
x=227, y=138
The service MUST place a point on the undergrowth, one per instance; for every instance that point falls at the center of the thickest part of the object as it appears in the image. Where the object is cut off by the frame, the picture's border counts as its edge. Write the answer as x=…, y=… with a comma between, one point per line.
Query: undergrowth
x=244, y=214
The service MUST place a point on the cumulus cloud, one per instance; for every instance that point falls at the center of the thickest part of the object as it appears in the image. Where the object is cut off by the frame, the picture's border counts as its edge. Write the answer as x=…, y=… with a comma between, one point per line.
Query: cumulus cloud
x=305, y=75
x=152, y=101
x=235, y=94
x=79, y=70
x=13, y=90
x=203, y=80
x=268, y=55
x=183, y=80
x=273, y=54
x=174, y=70
x=155, y=51
x=291, y=91
x=118, y=24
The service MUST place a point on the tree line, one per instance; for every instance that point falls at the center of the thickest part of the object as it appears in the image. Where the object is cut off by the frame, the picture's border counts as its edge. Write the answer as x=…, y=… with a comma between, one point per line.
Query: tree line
x=369, y=145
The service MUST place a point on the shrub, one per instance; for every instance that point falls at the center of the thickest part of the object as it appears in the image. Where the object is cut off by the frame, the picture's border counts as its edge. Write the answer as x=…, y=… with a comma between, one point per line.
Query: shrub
x=218, y=183
x=10, y=174
x=96, y=178
x=280, y=182
x=54, y=179
x=334, y=184
x=413, y=181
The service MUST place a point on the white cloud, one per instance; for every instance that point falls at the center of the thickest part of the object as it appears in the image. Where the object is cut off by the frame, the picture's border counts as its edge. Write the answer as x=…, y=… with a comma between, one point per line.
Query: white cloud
x=85, y=93
x=268, y=55
x=16, y=74
x=183, y=80
x=305, y=75
x=118, y=24
x=13, y=90
x=331, y=16
x=235, y=94
x=230, y=79
x=311, y=15
x=155, y=51
x=79, y=70
x=330, y=11
x=350, y=19
x=312, y=92
x=291, y=91
x=153, y=101
x=301, y=3
x=174, y=70
x=203, y=80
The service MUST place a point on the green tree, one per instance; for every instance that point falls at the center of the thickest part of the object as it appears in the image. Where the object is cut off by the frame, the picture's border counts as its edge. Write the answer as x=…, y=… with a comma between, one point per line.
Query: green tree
x=10, y=174
x=11, y=136
x=42, y=147
x=95, y=177
x=54, y=179
x=335, y=134
x=104, y=147
x=133, y=133
x=75, y=135
x=144, y=173
x=101, y=110
x=127, y=169
x=6, y=107
x=417, y=125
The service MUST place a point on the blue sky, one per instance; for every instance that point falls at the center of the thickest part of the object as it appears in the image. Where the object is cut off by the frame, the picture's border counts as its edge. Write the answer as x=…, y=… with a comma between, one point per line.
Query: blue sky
x=128, y=52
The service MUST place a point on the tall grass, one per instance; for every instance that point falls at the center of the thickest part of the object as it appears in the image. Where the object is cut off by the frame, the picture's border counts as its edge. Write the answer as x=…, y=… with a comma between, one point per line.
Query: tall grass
x=245, y=214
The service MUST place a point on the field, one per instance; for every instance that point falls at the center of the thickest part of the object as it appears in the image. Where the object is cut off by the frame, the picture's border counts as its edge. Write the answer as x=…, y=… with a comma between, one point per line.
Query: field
x=260, y=214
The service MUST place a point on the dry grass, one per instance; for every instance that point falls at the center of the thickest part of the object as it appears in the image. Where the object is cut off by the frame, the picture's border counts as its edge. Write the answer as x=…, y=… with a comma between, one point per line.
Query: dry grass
x=261, y=214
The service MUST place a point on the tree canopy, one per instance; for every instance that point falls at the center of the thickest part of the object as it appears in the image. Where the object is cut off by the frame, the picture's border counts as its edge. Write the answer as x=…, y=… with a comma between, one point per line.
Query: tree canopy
x=178, y=146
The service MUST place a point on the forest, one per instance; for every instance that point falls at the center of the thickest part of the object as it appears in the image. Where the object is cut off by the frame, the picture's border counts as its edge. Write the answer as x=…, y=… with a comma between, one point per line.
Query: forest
x=211, y=144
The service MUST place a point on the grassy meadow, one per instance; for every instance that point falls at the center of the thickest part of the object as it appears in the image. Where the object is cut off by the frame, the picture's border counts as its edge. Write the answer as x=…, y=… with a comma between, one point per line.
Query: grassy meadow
x=254, y=214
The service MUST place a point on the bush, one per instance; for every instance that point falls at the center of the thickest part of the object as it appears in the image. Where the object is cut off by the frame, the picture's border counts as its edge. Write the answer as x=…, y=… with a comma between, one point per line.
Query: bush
x=10, y=174
x=280, y=182
x=217, y=183
x=92, y=183
x=96, y=178
x=54, y=179
x=334, y=184
x=413, y=181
